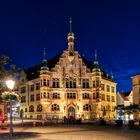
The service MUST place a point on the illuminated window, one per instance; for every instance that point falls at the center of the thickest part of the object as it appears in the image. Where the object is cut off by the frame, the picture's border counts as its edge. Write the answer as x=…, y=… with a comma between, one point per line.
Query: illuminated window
x=97, y=82
x=45, y=96
x=32, y=97
x=87, y=107
x=37, y=96
x=85, y=95
x=55, y=107
x=112, y=89
x=55, y=83
x=108, y=108
x=85, y=83
x=23, y=90
x=112, y=98
x=108, y=97
x=32, y=88
x=31, y=108
x=23, y=99
x=44, y=82
x=39, y=108
x=103, y=97
x=70, y=83
x=37, y=86
x=107, y=88
x=71, y=95
x=56, y=95
x=48, y=83
x=113, y=108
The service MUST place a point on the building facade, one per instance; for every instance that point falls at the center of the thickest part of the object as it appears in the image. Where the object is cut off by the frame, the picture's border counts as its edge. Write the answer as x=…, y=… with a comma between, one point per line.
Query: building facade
x=124, y=100
x=136, y=93
x=67, y=85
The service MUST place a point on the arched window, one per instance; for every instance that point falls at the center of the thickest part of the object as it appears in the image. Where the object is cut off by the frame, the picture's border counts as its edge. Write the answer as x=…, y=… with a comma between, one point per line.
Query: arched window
x=31, y=108
x=55, y=107
x=56, y=95
x=85, y=95
x=39, y=108
x=87, y=107
x=70, y=83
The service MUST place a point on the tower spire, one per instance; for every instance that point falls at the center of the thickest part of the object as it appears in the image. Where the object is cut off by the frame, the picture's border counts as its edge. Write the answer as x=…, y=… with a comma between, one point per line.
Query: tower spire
x=44, y=54
x=70, y=25
x=96, y=67
x=70, y=37
x=95, y=56
x=44, y=66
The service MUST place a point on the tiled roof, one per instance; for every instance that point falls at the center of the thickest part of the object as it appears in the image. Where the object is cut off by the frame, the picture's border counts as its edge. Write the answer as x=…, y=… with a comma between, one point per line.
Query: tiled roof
x=33, y=72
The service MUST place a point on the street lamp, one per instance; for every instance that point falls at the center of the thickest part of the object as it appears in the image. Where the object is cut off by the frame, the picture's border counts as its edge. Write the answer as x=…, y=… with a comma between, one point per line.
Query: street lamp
x=10, y=85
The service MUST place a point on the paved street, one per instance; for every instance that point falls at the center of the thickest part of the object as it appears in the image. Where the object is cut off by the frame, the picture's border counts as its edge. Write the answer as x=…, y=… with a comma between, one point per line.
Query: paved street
x=72, y=132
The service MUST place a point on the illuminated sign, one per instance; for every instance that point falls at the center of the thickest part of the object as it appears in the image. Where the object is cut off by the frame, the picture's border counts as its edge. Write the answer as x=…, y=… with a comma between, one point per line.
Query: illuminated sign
x=1, y=117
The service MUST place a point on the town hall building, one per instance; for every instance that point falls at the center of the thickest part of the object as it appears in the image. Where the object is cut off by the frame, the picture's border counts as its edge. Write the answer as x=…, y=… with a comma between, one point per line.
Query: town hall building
x=67, y=85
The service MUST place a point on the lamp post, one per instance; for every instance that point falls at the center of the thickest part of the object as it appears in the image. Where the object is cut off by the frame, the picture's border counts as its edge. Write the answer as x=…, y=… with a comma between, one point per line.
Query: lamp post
x=10, y=85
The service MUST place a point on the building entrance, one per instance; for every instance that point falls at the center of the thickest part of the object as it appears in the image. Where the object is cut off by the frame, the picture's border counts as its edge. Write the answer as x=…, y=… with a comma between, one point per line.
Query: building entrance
x=71, y=114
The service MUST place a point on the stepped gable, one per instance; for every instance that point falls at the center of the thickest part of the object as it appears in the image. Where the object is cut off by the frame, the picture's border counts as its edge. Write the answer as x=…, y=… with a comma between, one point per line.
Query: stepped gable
x=33, y=72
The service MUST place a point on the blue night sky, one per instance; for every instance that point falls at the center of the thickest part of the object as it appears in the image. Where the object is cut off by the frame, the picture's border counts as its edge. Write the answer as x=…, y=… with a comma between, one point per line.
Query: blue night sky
x=111, y=27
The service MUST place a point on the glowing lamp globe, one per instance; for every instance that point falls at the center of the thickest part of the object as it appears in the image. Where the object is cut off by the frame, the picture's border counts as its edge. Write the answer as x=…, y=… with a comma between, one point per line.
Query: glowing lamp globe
x=10, y=84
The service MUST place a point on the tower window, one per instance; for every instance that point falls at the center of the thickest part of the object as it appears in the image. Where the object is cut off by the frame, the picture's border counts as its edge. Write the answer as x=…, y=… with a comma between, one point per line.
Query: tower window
x=44, y=82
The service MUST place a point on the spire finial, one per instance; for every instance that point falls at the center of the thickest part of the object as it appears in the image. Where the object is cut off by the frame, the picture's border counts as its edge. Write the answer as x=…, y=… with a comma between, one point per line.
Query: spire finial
x=95, y=55
x=44, y=53
x=44, y=64
x=70, y=25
